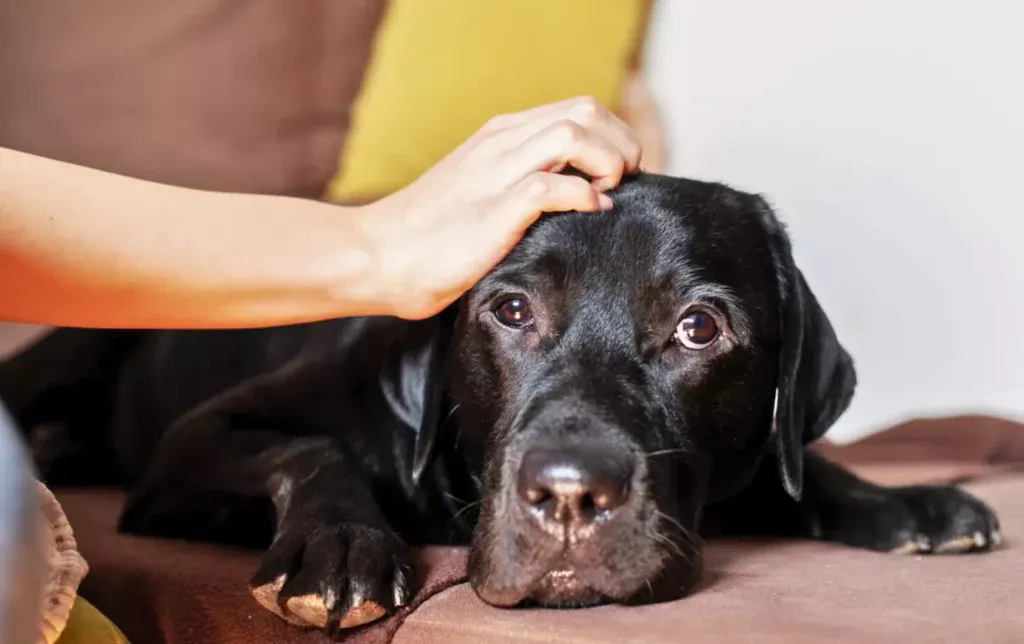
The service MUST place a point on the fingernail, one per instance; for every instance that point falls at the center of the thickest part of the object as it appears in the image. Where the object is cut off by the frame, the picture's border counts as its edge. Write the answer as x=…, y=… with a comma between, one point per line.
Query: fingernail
x=604, y=201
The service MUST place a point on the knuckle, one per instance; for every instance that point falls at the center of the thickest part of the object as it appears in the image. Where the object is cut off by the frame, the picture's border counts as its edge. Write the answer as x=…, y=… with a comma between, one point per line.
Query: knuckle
x=578, y=191
x=568, y=132
x=588, y=109
x=496, y=123
x=537, y=188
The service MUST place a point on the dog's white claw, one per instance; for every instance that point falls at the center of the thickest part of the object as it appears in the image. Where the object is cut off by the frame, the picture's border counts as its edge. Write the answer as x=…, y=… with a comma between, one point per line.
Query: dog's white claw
x=398, y=588
x=997, y=538
x=358, y=598
x=960, y=544
x=979, y=539
x=923, y=545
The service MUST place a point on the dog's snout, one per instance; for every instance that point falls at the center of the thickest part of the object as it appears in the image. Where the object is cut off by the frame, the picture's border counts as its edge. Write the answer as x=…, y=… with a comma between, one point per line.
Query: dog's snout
x=573, y=486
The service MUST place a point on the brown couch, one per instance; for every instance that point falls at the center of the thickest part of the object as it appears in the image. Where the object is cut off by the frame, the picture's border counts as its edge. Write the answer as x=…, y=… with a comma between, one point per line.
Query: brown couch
x=163, y=591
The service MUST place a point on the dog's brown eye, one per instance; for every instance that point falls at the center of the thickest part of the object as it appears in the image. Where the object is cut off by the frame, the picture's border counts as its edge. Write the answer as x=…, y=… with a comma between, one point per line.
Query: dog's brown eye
x=697, y=330
x=514, y=313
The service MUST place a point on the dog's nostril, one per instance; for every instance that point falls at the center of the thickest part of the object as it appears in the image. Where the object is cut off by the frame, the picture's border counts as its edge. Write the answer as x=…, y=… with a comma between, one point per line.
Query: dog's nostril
x=586, y=505
x=573, y=485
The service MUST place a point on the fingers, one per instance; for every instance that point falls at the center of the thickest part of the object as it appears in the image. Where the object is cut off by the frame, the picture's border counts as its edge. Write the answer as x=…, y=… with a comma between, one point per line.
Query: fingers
x=594, y=116
x=566, y=143
x=587, y=114
x=543, y=192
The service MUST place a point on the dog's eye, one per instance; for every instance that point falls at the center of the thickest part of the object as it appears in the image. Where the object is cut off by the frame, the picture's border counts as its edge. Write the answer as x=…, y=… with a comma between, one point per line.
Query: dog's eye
x=515, y=313
x=697, y=330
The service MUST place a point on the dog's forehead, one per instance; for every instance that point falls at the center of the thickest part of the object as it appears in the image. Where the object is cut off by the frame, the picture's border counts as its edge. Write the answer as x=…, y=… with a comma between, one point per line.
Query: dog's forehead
x=661, y=229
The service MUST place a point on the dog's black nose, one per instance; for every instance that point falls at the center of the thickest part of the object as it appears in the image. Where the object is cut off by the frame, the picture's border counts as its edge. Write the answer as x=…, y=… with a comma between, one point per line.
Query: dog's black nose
x=573, y=486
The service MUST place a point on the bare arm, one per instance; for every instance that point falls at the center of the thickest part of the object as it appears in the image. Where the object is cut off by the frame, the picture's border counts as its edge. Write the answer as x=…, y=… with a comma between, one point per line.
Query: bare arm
x=80, y=247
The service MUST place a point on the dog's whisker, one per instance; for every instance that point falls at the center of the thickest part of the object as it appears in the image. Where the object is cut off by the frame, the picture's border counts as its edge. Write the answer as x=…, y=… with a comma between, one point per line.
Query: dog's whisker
x=691, y=538
x=455, y=517
x=665, y=452
x=451, y=412
x=447, y=419
x=665, y=517
x=673, y=546
x=455, y=498
x=663, y=538
x=463, y=510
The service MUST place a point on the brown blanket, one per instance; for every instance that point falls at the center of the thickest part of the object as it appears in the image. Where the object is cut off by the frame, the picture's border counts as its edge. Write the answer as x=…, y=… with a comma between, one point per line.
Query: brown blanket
x=186, y=593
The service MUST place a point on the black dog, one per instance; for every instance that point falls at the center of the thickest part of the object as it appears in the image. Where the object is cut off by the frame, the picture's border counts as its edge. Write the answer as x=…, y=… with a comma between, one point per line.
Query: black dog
x=620, y=382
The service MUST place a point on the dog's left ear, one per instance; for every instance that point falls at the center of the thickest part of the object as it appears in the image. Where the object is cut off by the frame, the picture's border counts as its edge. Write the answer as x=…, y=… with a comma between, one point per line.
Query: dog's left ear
x=816, y=376
x=413, y=382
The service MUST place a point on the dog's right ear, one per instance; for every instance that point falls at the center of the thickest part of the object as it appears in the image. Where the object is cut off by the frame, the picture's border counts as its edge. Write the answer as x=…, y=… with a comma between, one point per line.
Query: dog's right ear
x=816, y=377
x=413, y=382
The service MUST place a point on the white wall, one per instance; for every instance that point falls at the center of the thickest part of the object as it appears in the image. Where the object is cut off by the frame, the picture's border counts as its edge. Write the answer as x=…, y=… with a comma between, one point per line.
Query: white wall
x=888, y=134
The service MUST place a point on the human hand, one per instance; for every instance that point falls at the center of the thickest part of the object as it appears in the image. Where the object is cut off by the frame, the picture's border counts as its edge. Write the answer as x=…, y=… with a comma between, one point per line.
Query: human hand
x=440, y=235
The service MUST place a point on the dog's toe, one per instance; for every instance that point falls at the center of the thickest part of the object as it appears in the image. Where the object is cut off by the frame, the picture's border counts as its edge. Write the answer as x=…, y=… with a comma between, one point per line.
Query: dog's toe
x=977, y=541
x=334, y=577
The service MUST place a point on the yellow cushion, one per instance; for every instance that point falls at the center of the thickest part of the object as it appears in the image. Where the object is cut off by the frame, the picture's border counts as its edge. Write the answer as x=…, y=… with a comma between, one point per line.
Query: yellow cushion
x=86, y=625
x=441, y=68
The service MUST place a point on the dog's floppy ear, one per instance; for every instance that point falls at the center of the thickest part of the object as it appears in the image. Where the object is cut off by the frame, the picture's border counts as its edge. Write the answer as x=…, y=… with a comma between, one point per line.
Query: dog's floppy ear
x=816, y=376
x=413, y=382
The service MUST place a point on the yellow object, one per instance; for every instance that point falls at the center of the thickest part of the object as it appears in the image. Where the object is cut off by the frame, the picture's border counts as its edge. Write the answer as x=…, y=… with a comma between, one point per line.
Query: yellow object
x=86, y=625
x=441, y=68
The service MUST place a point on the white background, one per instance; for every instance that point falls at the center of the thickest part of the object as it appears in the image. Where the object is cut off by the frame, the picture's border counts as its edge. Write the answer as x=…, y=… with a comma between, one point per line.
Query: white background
x=888, y=134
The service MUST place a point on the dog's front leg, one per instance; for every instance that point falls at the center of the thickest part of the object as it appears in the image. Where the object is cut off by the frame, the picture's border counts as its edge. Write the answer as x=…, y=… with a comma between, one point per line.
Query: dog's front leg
x=334, y=561
x=838, y=506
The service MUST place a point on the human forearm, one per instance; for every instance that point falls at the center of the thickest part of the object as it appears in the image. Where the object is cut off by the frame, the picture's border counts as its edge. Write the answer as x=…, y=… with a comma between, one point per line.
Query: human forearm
x=80, y=247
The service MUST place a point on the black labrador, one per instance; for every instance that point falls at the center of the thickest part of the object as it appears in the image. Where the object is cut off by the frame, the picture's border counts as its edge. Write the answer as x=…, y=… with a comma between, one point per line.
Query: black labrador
x=620, y=384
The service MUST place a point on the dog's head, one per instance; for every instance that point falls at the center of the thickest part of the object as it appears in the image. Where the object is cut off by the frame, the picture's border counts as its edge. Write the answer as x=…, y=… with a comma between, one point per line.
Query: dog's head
x=620, y=371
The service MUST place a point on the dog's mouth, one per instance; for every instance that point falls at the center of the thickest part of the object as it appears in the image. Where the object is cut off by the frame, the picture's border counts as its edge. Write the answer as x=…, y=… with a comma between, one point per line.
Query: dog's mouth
x=565, y=588
x=564, y=583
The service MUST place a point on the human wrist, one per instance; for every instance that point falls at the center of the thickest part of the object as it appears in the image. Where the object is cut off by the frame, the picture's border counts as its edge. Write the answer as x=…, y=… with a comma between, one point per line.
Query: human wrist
x=389, y=286
x=346, y=250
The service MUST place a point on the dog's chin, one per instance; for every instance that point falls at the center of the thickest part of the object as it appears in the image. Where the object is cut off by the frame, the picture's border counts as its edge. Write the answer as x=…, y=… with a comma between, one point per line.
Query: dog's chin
x=568, y=586
x=561, y=587
x=564, y=588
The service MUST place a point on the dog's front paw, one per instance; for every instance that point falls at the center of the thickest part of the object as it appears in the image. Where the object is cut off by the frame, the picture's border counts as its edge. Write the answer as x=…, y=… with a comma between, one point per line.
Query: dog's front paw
x=334, y=577
x=917, y=519
x=943, y=520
